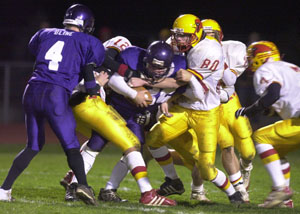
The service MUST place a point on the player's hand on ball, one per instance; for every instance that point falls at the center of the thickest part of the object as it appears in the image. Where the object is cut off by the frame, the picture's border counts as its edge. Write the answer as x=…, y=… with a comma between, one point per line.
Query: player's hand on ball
x=143, y=97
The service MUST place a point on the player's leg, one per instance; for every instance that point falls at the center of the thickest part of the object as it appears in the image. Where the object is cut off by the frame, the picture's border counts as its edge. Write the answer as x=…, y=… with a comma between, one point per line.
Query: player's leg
x=110, y=125
x=109, y=193
x=286, y=170
x=62, y=122
x=272, y=143
x=35, y=141
x=206, y=126
x=186, y=153
x=161, y=133
x=242, y=132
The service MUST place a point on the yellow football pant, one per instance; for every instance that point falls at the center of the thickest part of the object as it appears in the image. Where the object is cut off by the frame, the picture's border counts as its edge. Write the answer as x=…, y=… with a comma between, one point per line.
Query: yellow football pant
x=235, y=132
x=94, y=114
x=205, y=125
x=283, y=135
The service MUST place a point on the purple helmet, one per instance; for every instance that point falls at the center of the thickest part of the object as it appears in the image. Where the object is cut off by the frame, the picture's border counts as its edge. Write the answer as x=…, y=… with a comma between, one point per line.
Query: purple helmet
x=80, y=16
x=158, y=59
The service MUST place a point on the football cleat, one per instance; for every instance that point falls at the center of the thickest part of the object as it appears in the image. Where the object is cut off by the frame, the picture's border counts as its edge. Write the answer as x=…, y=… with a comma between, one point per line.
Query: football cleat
x=86, y=194
x=287, y=204
x=245, y=195
x=71, y=192
x=200, y=196
x=171, y=187
x=246, y=172
x=67, y=179
x=5, y=195
x=236, y=198
x=151, y=198
x=110, y=195
x=277, y=197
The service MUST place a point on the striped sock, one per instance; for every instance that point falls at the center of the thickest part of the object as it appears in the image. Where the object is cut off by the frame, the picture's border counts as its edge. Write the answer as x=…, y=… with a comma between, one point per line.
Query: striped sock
x=165, y=160
x=222, y=182
x=138, y=170
x=270, y=159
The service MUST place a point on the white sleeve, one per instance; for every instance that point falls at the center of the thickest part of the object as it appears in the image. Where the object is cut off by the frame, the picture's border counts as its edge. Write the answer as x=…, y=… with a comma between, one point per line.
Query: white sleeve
x=229, y=78
x=118, y=84
x=196, y=90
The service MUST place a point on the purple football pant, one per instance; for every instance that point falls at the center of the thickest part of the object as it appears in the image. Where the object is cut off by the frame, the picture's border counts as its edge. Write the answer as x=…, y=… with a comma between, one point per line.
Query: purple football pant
x=44, y=101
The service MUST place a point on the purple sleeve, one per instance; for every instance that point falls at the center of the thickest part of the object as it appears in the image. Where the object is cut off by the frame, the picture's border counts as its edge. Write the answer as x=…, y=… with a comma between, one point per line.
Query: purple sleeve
x=33, y=43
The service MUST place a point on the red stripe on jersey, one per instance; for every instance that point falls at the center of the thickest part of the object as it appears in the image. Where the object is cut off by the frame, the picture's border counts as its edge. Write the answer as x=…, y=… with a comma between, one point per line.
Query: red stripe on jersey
x=199, y=78
x=267, y=153
x=166, y=157
x=138, y=169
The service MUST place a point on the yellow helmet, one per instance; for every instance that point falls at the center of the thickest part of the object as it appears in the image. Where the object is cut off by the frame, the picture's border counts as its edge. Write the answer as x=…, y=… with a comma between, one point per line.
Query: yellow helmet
x=260, y=52
x=212, y=26
x=188, y=26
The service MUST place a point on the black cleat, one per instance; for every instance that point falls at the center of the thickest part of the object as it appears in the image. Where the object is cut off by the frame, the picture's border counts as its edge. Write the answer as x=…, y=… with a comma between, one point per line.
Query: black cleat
x=110, y=195
x=236, y=198
x=66, y=181
x=86, y=194
x=71, y=192
x=171, y=187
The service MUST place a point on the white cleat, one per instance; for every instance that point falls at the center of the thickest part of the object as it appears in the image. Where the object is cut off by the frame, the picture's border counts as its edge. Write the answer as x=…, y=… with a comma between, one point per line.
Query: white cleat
x=246, y=172
x=200, y=196
x=5, y=195
x=245, y=195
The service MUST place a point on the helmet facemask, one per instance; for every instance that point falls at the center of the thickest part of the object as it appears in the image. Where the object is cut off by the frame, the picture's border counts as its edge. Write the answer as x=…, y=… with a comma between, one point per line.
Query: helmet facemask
x=184, y=41
x=157, y=61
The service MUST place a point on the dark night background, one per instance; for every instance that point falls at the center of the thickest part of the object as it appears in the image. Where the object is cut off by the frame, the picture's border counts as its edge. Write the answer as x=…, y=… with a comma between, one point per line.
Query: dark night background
x=141, y=21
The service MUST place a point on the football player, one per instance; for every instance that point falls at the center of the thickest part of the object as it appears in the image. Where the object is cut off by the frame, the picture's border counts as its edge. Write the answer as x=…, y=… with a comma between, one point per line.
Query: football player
x=232, y=132
x=63, y=56
x=156, y=63
x=198, y=109
x=277, y=84
x=100, y=121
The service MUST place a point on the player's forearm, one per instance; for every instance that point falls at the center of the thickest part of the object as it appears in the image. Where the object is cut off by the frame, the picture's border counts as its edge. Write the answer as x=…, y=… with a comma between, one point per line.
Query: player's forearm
x=118, y=84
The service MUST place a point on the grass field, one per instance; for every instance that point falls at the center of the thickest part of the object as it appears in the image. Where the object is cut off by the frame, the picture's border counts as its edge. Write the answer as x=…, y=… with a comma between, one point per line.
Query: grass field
x=37, y=190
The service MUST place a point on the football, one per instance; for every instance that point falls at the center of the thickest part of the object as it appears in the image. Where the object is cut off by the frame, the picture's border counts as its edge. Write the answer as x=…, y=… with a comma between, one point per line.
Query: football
x=147, y=94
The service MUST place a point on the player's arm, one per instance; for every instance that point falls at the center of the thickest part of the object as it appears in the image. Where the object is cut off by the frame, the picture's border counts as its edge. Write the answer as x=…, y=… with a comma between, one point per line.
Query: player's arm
x=272, y=95
x=168, y=83
x=118, y=84
x=229, y=77
x=90, y=84
x=111, y=63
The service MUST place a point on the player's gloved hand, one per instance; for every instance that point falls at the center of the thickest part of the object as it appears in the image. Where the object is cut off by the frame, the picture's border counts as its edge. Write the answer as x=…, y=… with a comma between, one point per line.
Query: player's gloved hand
x=142, y=119
x=240, y=112
x=129, y=73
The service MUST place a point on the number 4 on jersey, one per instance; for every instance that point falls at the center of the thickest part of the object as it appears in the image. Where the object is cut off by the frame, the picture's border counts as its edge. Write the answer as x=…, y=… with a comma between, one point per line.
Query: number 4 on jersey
x=54, y=55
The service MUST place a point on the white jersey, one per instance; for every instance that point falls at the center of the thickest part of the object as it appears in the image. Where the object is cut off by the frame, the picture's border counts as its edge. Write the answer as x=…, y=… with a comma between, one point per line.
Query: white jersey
x=206, y=61
x=288, y=76
x=236, y=59
x=118, y=43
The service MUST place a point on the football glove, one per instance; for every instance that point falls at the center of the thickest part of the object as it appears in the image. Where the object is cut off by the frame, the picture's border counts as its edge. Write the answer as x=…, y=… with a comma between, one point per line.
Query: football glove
x=143, y=119
x=240, y=112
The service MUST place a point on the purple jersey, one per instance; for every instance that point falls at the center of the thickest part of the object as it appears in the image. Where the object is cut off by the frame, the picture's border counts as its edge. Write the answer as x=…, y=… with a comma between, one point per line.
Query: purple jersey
x=61, y=54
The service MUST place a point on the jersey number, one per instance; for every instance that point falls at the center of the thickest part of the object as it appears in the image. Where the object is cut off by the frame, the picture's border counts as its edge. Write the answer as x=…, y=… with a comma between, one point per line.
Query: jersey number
x=54, y=55
x=122, y=46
